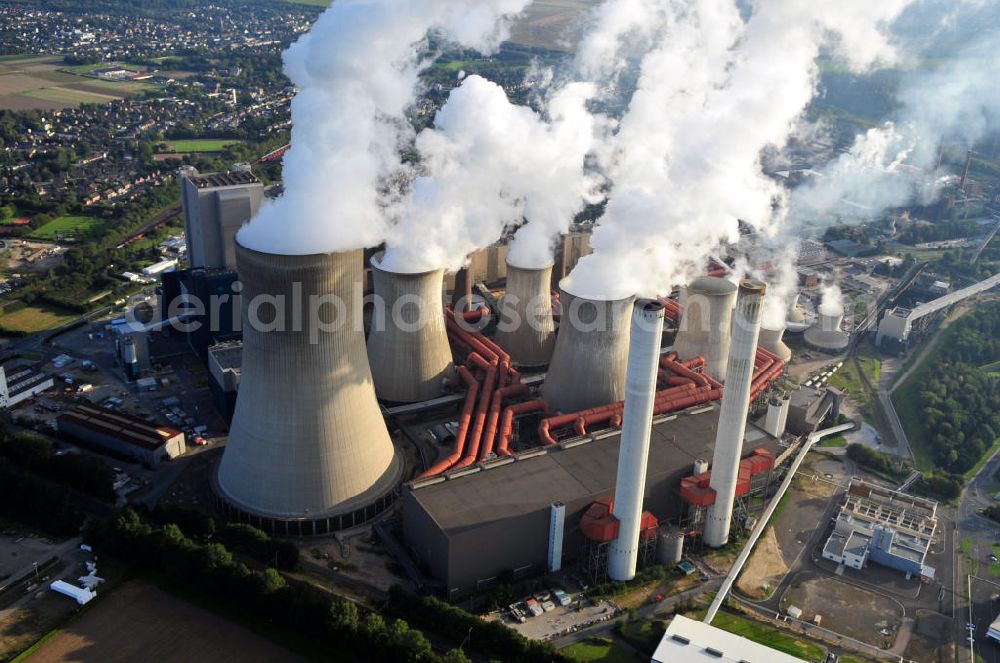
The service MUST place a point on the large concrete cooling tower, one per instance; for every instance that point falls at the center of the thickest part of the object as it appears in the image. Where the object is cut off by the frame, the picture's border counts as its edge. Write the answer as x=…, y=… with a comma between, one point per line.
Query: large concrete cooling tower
x=526, y=329
x=827, y=336
x=408, y=344
x=308, y=449
x=733, y=412
x=773, y=341
x=705, y=328
x=590, y=360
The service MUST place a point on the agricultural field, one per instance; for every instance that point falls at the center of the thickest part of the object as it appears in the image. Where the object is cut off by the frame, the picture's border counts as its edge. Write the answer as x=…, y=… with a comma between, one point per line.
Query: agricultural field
x=550, y=23
x=200, y=145
x=140, y=622
x=80, y=227
x=40, y=83
x=32, y=319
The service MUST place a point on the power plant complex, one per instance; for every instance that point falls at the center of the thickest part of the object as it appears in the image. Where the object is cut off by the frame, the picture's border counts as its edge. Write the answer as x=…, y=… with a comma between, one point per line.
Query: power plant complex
x=531, y=428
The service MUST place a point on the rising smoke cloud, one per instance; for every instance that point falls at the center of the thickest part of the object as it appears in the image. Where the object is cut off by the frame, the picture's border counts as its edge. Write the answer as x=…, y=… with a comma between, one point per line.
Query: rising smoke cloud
x=357, y=72
x=832, y=302
x=489, y=165
x=890, y=166
x=714, y=93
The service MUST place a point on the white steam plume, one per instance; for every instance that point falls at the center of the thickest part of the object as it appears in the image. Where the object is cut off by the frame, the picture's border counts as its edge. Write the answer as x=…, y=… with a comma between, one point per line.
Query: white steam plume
x=832, y=303
x=357, y=72
x=891, y=165
x=714, y=93
x=489, y=165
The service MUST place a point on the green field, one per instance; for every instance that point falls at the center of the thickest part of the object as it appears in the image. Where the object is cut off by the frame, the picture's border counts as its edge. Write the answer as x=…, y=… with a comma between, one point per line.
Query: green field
x=75, y=226
x=34, y=319
x=848, y=379
x=69, y=96
x=603, y=650
x=834, y=442
x=767, y=635
x=200, y=145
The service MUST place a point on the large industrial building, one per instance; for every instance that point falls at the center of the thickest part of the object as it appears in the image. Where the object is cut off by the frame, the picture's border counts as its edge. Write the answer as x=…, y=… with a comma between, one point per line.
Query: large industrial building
x=122, y=434
x=493, y=523
x=216, y=205
x=883, y=527
x=22, y=384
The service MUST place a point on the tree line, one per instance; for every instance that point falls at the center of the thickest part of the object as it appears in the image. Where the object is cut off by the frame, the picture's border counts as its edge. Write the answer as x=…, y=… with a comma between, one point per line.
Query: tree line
x=300, y=609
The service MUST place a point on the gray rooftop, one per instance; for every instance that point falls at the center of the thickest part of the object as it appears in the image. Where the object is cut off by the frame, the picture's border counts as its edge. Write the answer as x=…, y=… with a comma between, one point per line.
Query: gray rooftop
x=566, y=474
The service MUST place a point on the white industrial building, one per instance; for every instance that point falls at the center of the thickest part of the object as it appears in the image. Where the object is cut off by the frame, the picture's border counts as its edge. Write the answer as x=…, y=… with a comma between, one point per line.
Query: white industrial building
x=994, y=632
x=21, y=385
x=883, y=526
x=688, y=641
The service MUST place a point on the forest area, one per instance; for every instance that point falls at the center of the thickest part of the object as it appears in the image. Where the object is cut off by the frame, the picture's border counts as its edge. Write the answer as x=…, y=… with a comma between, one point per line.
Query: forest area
x=957, y=400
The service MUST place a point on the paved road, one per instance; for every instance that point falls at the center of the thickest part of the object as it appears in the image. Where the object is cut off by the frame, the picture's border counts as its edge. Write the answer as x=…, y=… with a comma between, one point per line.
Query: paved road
x=649, y=611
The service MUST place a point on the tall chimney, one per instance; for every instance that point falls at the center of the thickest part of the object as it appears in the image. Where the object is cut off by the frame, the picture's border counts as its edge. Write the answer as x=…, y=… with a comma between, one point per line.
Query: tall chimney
x=589, y=363
x=408, y=345
x=526, y=329
x=633, y=453
x=705, y=327
x=308, y=449
x=734, y=411
x=965, y=171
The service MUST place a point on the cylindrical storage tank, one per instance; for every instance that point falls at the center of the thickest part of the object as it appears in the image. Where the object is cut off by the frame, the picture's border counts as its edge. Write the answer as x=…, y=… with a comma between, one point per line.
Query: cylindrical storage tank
x=705, y=327
x=590, y=359
x=826, y=335
x=526, y=329
x=670, y=547
x=307, y=441
x=733, y=411
x=700, y=466
x=773, y=341
x=129, y=353
x=637, y=421
x=408, y=344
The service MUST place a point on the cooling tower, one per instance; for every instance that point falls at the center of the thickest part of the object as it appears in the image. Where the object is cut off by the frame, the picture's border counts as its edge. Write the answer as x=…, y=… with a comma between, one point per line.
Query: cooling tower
x=526, y=329
x=589, y=362
x=637, y=421
x=733, y=412
x=705, y=328
x=408, y=345
x=827, y=336
x=772, y=340
x=308, y=449
x=796, y=322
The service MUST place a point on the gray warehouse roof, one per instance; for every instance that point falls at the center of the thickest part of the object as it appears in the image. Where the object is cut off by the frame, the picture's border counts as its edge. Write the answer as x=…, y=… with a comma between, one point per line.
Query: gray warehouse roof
x=514, y=489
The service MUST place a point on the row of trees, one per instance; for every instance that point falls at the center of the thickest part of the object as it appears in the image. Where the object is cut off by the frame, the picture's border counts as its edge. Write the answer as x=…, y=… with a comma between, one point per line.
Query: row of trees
x=936, y=232
x=958, y=400
x=328, y=623
x=31, y=500
x=87, y=474
x=242, y=538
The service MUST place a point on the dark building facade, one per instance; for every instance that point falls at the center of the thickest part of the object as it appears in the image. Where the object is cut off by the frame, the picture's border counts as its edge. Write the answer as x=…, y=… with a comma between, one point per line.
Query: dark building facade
x=475, y=530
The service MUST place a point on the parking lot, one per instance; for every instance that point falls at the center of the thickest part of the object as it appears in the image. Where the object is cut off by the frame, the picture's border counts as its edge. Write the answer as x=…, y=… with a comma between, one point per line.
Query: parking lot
x=550, y=619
